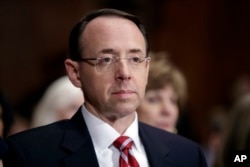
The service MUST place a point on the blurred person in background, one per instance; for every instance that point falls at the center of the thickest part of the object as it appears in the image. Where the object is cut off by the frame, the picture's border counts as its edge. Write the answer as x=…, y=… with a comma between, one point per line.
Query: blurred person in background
x=3, y=149
x=60, y=101
x=166, y=94
x=239, y=88
x=6, y=120
x=217, y=124
x=6, y=116
x=237, y=135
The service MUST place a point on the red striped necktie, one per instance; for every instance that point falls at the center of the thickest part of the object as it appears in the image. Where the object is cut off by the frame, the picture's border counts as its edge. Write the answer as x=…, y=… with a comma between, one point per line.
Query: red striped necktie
x=127, y=159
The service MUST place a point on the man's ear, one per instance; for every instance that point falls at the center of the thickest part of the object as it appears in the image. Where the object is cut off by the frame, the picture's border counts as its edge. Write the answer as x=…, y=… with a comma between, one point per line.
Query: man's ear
x=148, y=68
x=72, y=69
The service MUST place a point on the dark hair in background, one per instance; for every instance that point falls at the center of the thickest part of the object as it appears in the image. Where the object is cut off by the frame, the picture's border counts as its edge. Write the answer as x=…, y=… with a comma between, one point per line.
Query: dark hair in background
x=74, y=45
x=237, y=136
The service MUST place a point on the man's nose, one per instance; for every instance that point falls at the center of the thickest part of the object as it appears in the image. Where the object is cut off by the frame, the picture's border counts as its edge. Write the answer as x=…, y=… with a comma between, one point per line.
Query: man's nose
x=123, y=71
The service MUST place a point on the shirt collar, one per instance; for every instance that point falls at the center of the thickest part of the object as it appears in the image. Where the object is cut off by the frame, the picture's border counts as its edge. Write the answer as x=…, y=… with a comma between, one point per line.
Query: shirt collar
x=103, y=135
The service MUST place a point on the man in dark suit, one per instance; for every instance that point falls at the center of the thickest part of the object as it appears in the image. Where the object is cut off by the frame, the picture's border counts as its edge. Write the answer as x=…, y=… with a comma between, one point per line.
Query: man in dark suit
x=109, y=61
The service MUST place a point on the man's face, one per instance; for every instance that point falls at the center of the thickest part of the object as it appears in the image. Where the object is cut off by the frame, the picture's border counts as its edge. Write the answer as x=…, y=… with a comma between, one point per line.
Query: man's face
x=117, y=92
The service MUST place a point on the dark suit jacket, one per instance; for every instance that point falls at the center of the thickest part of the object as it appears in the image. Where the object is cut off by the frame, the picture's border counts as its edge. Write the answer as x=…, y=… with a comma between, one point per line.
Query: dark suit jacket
x=3, y=148
x=68, y=144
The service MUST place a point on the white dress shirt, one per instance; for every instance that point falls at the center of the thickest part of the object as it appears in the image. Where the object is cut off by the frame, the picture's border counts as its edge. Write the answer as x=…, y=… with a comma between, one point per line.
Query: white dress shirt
x=103, y=136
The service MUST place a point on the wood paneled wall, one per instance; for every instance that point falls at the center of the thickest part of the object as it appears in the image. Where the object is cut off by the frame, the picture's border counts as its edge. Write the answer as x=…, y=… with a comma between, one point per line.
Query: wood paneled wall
x=209, y=41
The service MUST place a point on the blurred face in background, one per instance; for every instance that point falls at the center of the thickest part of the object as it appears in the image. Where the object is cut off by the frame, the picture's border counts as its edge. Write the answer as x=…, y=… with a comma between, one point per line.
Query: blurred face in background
x=160, y=108
x=67, y=111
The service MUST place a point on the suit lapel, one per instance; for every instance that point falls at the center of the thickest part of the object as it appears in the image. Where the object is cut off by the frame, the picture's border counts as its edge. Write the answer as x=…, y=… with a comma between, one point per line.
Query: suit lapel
x=156, y=153
x=77, y=142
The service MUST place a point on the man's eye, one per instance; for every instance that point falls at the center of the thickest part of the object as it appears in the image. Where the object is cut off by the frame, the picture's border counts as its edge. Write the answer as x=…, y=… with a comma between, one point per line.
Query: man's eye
x=136, y=59
x=106, y=60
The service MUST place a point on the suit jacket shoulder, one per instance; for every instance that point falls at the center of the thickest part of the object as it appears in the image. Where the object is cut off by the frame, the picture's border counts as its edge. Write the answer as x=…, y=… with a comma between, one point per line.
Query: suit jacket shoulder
x=62, y=144
x=34, y=145
x=167, y=149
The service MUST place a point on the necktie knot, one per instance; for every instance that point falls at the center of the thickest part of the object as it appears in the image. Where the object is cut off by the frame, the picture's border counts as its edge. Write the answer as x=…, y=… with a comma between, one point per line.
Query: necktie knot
x=127, y=159
x=123, y=142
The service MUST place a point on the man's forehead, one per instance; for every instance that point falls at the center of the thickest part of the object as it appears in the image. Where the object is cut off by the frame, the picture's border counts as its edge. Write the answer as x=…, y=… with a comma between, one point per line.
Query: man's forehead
x=107, y=26
x=108, y=20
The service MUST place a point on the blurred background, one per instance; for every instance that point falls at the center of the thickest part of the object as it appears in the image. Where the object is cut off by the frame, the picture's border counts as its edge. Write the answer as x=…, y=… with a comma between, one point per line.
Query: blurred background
x=208, y=40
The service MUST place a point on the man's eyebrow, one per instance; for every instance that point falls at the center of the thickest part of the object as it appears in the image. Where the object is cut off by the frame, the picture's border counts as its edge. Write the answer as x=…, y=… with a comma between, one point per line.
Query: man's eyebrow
x=112, y=51
x=135, y=51
x=107, y=50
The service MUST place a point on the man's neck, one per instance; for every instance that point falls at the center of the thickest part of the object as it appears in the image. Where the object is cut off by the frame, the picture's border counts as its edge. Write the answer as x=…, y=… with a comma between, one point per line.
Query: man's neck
x=119, y=122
